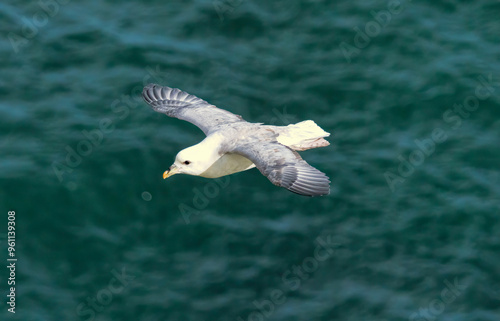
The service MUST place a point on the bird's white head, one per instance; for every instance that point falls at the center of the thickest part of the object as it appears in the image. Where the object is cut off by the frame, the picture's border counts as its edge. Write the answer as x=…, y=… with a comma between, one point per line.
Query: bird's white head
x=192, y=161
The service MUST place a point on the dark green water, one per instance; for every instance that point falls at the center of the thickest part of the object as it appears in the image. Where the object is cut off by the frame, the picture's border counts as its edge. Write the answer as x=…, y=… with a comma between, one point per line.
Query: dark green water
x=100, y=235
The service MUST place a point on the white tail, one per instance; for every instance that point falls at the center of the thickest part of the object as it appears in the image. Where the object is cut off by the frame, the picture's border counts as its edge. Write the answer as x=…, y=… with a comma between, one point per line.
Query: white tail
x=302, y=136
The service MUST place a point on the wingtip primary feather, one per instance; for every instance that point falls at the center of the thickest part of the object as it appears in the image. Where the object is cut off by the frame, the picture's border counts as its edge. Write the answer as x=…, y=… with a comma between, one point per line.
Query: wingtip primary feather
x=305, y=180
x=154, y=92
x=147, y=93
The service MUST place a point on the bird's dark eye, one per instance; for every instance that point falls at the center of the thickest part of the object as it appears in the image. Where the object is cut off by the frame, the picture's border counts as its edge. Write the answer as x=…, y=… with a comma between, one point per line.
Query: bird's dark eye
x=187, y=162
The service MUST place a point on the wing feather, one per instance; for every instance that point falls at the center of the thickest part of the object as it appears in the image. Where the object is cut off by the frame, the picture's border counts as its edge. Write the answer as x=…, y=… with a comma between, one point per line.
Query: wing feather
x=179, y=104
x=285, y=168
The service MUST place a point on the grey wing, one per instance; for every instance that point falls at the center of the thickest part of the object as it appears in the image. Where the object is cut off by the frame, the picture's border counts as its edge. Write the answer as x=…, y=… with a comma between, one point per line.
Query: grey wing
x=285, y=168
x=179, y=104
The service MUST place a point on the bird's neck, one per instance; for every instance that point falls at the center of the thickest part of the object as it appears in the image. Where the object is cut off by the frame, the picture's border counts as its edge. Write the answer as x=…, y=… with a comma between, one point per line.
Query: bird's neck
x=221, y=164
x=209, y=147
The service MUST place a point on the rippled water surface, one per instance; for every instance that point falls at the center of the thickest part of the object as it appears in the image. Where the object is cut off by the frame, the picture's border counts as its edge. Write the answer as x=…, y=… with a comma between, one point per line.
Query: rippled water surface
x=409, y=90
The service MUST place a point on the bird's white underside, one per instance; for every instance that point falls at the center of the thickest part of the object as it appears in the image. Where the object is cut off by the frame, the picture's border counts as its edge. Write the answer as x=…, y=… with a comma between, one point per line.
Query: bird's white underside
x=228, y=164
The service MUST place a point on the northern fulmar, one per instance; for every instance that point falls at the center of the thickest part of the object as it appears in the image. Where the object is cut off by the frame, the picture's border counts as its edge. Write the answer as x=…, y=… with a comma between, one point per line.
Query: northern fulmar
x=234, y=145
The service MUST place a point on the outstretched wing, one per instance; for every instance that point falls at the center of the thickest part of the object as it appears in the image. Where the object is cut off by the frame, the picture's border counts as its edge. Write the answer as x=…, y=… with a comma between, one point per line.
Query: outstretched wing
x=285, y=168
x=179, y=104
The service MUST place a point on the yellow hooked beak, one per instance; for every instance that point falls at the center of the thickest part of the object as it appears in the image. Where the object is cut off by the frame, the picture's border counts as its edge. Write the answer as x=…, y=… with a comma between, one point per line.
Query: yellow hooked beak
x=171, y=171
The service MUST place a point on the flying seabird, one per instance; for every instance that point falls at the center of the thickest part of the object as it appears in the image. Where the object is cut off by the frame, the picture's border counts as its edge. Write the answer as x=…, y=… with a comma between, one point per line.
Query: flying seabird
x=233, y=145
